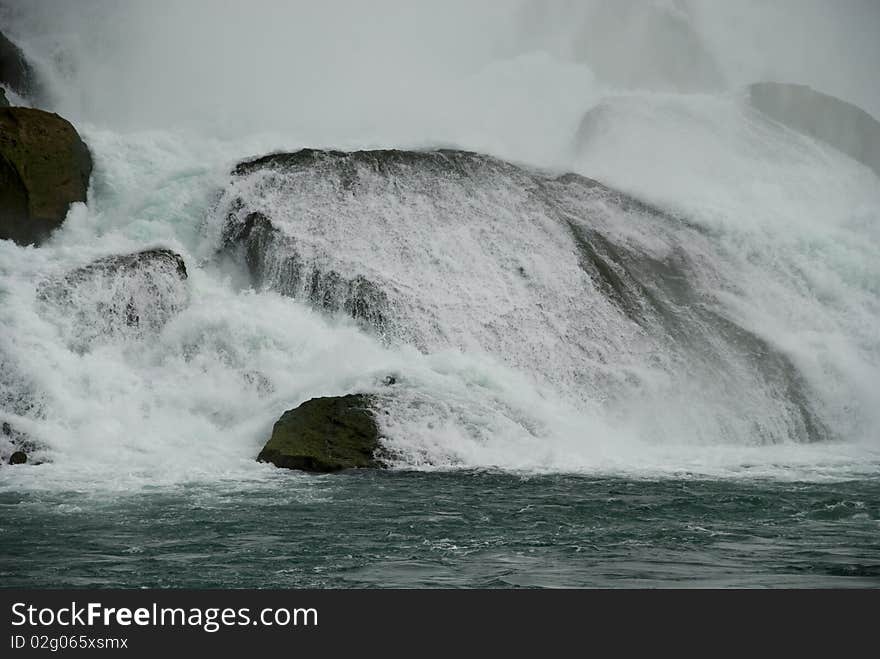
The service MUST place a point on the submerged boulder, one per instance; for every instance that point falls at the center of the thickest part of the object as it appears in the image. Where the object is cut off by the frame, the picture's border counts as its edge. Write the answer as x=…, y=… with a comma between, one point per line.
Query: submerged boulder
x=325, y=435
x=18, y=458
x=117, y=296
x=842, y=125
x=44, y=168
x=274, y=261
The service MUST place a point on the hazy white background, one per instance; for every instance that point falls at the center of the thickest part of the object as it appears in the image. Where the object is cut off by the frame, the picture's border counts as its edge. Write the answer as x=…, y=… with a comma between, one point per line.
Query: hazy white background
x=396, y=69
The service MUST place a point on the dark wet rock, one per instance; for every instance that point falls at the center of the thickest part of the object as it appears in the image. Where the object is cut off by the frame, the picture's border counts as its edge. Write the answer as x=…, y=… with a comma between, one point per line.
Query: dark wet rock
x=275, y=259
x=842, y=125
x=164, y=259
x=129, y=295
x=44, y=168
x=15, y=71
x=4, y=102
x=325, y=435
x=18, y=458
x=561, y=276
x=274, y=262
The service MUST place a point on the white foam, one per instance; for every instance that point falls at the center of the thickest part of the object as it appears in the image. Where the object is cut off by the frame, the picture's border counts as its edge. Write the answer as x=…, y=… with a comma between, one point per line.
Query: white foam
x=170, y=97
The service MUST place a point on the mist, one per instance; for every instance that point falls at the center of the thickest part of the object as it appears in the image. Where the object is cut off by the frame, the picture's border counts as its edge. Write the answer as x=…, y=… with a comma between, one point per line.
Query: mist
x=511, y=78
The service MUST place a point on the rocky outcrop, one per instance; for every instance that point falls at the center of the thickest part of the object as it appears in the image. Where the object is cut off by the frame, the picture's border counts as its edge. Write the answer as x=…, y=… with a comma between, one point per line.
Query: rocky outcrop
x=842, y=125
x=4, y=102
x=15, y=71
x=44, y=168
x=325, y=435
x=288, y=263
x=559, y=276
x=117, y=297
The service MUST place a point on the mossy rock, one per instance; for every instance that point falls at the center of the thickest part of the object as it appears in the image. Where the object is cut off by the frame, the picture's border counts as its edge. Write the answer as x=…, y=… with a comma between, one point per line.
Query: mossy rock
x=44, y=168
x=325, y=435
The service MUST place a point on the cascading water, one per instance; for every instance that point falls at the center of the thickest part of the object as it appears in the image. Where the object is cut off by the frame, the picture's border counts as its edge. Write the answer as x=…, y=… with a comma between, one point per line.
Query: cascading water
x=518, y=309
x=568, y=264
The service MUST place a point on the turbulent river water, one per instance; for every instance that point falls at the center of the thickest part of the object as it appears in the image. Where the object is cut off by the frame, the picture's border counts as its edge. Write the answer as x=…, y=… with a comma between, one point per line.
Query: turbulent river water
x=540, y=436
x=451, y=529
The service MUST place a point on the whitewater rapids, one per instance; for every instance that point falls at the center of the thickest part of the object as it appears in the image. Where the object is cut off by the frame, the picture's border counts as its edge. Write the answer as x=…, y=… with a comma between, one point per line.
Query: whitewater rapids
x=787, y=236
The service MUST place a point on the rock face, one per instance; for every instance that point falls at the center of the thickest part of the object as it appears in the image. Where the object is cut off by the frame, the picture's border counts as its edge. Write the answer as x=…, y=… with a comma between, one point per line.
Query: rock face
x=325, y=435
x=15, y=72
x=557, y=276
x=844, y=126
x=117, y=297
x=44, y=167
x=4, y=102
x=273, y=261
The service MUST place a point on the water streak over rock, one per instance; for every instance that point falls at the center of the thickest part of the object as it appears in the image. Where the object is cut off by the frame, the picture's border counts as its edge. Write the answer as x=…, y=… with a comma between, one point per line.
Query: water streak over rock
x=117, y=297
